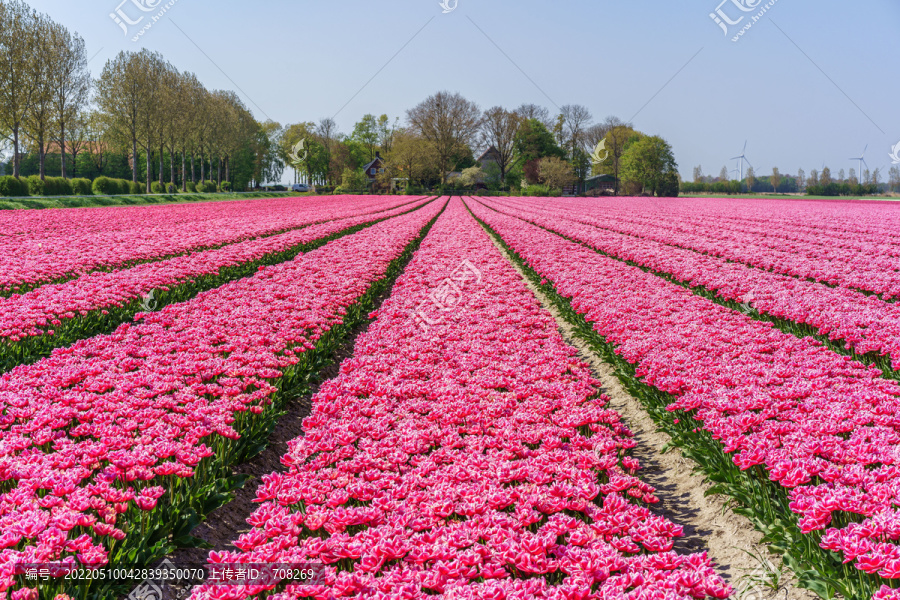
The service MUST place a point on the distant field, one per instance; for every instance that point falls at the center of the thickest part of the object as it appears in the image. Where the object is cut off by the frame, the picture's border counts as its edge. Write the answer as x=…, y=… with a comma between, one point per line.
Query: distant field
x=129, y=200
x=894, y=198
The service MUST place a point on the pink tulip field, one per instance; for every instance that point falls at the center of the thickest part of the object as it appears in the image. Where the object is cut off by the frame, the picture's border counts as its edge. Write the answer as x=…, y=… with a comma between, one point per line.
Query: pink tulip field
x=44, y=246
x=811, y=436
x=476, y=460
x=461, y=448
x=79, y=306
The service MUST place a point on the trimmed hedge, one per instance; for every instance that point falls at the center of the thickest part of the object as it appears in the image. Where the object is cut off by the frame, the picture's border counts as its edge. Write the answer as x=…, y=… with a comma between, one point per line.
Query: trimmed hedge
x=10, y=186
x=104, y=186
x=35, y=185
x=82, y=187
x=57, y=186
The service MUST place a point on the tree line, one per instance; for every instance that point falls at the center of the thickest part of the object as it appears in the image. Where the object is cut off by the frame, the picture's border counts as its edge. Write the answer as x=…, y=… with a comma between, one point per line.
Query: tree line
x=141, y=112
x=816, y=183
x=437, y=142
x=144, y=120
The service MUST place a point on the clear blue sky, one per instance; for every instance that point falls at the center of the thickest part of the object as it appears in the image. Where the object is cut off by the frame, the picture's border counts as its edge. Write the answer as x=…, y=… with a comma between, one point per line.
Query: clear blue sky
x=303, y=60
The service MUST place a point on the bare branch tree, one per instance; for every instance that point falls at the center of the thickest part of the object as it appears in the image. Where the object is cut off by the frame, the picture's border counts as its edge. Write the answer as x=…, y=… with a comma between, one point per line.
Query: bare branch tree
x=533, y=111
x=71, y=84
x=576, y=119
x=327, y=130
x=449, y=122
x=39, y=119
x=499, y=129
x=596, y=133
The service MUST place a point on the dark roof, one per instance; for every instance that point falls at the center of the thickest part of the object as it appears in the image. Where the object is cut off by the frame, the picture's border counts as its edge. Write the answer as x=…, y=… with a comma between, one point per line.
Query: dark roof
x=378, y=160
x=602, y=178
x=490, y=150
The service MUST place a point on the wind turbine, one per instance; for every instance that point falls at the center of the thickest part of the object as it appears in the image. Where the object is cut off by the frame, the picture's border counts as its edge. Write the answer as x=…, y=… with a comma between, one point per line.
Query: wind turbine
x=742, y=158
x=862, y=161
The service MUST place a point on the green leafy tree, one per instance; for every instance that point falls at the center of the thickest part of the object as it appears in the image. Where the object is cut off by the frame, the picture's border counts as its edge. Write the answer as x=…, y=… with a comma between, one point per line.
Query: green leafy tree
x=39, y=119
x=386, y=131
x=269, y=159
x=650, y=163
x=618, y=139
x=813, y=178
x=411, y=157
x=533, y=142
x=291, y=137
x=367, y=133
x=125, y=100
x=581, y=163
x=354, y=179
x=20, y=37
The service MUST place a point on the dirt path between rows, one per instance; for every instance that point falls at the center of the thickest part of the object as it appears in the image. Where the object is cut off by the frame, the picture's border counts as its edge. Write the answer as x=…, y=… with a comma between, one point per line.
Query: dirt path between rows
x=709, y=524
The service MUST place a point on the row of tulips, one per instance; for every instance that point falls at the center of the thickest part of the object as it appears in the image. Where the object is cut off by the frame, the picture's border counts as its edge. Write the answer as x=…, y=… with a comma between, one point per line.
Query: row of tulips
x=868, y=271
x=56, y=315
x=472, y=458
x=805, y=226
x=112, y=446
x=864, y=324
x=37, y=247
x=812, y=433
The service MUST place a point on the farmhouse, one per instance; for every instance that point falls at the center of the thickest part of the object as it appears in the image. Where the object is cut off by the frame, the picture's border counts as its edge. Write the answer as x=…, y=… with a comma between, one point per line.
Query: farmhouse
x=374, y=168
x=490, y=157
